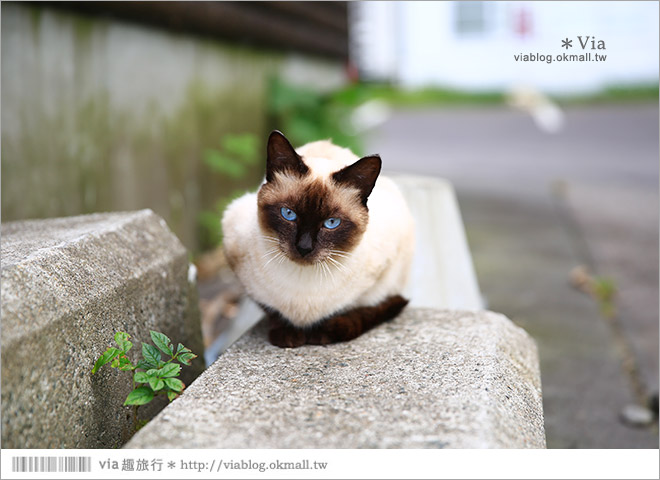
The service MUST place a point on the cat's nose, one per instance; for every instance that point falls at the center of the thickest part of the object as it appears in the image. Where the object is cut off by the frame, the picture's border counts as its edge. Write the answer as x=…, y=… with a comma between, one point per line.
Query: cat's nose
x=304, y=245
x=303, y=251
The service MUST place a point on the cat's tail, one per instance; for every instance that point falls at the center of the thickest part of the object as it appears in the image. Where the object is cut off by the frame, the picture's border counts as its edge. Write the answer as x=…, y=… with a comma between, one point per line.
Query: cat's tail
x=386, y=310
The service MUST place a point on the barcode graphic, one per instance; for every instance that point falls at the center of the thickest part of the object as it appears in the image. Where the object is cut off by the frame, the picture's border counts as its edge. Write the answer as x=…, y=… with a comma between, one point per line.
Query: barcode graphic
x=51, y=464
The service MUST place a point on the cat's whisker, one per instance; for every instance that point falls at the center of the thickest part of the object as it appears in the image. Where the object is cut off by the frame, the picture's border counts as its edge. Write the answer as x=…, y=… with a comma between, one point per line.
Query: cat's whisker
x=279, y=254
x=337, y=264
x=340, y=253
x=319, y=267
x=270, y=239
x=270, y=252
x=332, y=273
x=326, y=268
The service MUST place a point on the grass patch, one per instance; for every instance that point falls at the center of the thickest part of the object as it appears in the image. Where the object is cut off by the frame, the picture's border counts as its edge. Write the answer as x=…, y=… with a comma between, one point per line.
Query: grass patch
x=430, y=96
x=646, y=93
x=357, y=94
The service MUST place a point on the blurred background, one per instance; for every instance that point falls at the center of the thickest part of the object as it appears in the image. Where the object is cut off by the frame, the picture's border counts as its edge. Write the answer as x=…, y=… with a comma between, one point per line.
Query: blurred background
x=166, y=105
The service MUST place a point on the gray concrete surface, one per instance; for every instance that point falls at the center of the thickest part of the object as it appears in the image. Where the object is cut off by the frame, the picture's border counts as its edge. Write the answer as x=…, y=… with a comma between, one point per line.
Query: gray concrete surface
x=523, y=257
x=428, y=379
x=68, y=285
x=502, y=151
x=620, y=228
x=525, y=239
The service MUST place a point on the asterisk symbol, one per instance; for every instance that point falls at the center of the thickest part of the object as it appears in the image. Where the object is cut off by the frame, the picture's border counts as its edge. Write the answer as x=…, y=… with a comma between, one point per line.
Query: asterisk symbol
x=566, y=43
x=171, y=465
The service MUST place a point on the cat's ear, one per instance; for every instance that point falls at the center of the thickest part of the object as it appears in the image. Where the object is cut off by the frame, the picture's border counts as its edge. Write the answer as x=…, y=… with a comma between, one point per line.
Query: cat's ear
x=361, y=175
x=281, y=157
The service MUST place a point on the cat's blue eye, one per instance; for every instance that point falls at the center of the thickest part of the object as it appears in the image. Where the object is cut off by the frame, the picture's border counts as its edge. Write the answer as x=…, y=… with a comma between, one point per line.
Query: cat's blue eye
x=331, y=223
x=288, y=214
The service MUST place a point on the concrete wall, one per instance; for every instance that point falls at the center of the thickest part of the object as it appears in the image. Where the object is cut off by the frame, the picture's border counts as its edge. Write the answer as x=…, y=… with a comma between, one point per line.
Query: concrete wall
x=101, y=115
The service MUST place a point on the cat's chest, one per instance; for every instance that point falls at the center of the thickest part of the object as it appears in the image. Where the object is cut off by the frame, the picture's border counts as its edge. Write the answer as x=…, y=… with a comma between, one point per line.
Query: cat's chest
x=305, y=294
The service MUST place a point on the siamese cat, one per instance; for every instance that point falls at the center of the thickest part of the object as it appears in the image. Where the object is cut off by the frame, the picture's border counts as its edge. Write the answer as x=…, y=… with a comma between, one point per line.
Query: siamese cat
x=324, y=246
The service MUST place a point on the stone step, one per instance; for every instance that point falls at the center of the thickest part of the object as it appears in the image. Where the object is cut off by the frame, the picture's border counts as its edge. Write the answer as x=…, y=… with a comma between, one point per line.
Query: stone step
x=429, y=379
x=68, y=285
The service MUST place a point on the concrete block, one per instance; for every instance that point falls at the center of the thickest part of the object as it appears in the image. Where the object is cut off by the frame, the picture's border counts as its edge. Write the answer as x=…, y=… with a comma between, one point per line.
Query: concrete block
x=68, y=285
x=428, y=379
x=442, y=274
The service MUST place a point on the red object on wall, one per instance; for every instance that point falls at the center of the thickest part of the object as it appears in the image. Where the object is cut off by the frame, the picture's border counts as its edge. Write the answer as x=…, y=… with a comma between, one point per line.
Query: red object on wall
x=522, y=24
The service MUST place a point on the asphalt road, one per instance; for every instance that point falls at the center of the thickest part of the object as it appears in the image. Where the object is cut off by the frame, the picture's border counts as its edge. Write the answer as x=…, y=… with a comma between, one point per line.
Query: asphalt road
x=502, y=150
x=535, y=205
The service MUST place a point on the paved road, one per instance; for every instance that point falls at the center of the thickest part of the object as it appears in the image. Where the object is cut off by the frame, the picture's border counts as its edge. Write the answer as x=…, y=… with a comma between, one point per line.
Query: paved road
x=502, y=150
x=535, y=205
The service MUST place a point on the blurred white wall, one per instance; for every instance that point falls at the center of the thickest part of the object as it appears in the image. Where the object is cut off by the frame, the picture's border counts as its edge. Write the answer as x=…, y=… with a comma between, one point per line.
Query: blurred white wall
x=471, y=45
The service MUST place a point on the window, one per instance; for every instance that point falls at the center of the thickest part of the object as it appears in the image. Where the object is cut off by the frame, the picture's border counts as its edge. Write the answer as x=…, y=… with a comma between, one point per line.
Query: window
x=470, y=18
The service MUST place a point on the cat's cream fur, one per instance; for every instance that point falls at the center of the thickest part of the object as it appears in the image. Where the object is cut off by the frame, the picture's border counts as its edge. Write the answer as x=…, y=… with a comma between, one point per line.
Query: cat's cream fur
x=376, y=268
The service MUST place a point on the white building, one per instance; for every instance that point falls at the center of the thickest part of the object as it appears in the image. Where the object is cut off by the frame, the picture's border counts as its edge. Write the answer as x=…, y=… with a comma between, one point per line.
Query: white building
x=471, y=45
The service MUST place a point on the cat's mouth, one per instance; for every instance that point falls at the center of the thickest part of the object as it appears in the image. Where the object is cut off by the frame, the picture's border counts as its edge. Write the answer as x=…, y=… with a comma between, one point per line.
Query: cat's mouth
x=303, y=257
x=326, y=263
x=322, y=259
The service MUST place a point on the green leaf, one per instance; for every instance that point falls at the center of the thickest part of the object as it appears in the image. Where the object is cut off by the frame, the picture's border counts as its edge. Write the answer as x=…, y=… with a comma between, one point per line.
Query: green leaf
x=163, y=343
x=143, y=364
x=172, y=395
x=125, y=364
x=139, y=396
x=106, y=357
x=151, y=354
x=156, y=384
x=152, y=373
x=185, y=358
x=245, y=147
x=122, y=340
x=174, y=383
x=223, y=164
x=170, y=370
x=180, y=348
x=141, y=377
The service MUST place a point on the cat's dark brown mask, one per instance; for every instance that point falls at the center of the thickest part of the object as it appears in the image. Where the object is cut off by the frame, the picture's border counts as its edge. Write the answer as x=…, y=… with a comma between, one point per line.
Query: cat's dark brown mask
x=308, y=218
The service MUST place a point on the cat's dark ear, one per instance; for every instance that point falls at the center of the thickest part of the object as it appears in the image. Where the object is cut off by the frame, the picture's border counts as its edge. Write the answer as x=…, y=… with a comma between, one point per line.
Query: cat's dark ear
x=361, y=175
x=281, y=157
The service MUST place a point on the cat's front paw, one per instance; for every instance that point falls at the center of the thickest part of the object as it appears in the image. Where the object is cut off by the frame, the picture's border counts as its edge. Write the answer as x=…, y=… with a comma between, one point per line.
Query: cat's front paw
x=318, y=337
x=336, y=329
x=285, y=337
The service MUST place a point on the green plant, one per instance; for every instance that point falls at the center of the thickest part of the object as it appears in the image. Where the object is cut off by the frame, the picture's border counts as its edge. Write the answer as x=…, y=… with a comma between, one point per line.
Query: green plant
x=305, y=115
x=236, y=155
x=151, y=375
x=604, y=290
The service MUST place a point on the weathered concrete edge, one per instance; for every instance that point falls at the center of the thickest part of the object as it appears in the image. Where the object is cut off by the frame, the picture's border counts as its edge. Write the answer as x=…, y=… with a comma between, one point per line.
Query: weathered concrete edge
x=154, y=436
x=17, y=306
x=79, y=332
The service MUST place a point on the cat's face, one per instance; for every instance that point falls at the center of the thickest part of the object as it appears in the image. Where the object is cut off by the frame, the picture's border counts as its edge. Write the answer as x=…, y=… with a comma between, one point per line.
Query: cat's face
x=311, y=220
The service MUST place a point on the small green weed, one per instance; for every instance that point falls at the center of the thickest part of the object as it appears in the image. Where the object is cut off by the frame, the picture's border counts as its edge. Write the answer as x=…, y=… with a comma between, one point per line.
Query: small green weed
x=237, y=155
x=604, y=290
x=151, y=375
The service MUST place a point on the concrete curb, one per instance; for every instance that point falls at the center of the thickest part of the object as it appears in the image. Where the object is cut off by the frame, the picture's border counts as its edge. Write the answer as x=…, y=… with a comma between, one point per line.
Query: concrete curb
x=429, y=379
x=68, y=285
